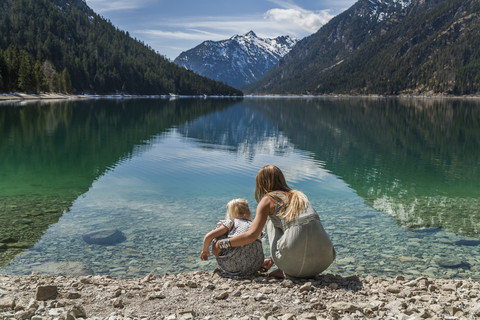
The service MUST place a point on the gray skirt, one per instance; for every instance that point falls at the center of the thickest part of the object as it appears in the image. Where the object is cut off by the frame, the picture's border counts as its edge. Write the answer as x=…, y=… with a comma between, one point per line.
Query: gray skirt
x=241, y=261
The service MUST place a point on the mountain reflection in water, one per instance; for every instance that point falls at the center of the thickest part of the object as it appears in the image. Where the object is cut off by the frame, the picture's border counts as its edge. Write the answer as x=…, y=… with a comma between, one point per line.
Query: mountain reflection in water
x=414, y=159
x=162, y=172
x=52, y=152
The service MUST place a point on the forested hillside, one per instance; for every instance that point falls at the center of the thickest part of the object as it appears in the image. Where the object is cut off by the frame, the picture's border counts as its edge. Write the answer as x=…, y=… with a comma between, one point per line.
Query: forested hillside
x=63, y=46
x=386, y=47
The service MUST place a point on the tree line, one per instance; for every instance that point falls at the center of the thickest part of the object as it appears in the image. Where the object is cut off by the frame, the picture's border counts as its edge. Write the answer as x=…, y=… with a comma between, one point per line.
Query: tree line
x=19, y=72
x=81, y=52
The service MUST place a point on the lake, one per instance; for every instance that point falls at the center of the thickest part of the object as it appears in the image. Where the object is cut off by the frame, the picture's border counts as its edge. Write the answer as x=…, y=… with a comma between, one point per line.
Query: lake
x=395, y=181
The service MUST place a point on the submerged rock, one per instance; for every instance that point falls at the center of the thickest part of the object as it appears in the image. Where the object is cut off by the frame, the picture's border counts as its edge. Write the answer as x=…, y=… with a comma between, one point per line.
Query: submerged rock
x=468, y=243
x=71, y=268
x=18, y=245
x=104, y=237
x=427, y=230
x=452, y=263
x=8, y=240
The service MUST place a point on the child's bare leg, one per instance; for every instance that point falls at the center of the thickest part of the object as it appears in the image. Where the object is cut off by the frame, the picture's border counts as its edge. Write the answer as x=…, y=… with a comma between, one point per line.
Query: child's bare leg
x=267, y=264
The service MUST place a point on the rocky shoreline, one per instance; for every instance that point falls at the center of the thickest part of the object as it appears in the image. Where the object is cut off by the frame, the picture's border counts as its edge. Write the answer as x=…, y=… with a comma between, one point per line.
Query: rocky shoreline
x=21, y=97
x=207, y=295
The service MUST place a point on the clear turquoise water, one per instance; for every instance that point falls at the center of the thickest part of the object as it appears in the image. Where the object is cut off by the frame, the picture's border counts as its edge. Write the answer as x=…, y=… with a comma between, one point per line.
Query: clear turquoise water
x=395, y=181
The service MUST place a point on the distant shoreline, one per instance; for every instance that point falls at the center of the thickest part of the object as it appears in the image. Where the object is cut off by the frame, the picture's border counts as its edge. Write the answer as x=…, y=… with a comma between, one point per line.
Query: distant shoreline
x=30, y=97
x=26, y=97
x=372, y=96
x=17, y=97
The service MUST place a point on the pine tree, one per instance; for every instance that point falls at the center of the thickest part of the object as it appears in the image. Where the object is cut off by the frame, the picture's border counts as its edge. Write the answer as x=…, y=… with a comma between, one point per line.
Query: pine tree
x=3, y=70
x=66, y=82
x=41, y=84
x=25, y=72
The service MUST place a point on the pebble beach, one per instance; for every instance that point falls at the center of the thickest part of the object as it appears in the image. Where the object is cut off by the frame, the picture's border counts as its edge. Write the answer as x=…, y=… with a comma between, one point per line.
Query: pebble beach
x=207, y=295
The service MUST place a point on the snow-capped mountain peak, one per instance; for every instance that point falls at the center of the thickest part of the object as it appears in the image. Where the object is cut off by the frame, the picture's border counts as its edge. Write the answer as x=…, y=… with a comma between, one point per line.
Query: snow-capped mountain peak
x=383, y=9
x=237, y=61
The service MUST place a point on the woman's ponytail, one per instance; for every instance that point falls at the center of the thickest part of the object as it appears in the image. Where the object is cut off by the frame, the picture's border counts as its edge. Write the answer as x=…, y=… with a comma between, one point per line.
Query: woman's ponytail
x=296, y=202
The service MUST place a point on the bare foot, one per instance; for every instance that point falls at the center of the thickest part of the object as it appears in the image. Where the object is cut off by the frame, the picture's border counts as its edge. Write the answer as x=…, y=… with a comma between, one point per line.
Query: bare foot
x=277, y=274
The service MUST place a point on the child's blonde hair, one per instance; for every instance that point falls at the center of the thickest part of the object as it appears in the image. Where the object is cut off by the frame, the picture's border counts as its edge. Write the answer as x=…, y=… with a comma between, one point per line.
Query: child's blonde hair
x=238, y=209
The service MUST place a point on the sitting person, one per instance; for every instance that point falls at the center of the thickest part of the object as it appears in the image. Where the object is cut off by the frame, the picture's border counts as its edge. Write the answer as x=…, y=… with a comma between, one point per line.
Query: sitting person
x=299, y=245
x=240, y=261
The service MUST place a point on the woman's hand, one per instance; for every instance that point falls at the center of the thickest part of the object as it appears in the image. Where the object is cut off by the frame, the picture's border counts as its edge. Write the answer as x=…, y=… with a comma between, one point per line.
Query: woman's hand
x=204, y=255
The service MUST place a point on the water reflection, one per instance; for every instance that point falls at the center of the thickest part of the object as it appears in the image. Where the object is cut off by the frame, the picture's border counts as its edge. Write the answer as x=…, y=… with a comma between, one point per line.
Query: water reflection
x=414, y=159
x=52, y=152
x=162, y=172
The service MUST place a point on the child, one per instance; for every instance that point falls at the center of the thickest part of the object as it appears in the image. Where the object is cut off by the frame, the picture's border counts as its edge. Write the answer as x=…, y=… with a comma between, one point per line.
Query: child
x=239, y=261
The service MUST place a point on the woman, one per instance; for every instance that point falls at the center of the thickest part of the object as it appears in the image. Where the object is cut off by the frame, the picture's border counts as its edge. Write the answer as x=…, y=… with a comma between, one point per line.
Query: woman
x=299, y=245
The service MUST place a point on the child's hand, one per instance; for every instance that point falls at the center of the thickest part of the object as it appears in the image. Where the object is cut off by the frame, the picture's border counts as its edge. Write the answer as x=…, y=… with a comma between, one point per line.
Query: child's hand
x=204, y=255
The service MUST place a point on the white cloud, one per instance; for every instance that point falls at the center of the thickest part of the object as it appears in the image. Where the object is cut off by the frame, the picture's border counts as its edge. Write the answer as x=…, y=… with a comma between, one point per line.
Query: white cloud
x=296, y=18
x=287, y=19
x=181, y=35
x=101, y=6
x=174, y=33
x=295, y=22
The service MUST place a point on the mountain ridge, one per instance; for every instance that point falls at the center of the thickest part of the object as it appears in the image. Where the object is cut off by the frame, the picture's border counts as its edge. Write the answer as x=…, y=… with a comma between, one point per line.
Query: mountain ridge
x=237, y=61
x=416, y=48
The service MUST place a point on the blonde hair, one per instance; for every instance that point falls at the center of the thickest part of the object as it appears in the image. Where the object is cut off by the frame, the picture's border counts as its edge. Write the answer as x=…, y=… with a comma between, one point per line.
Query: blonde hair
x=269, y=179
x=238, y=209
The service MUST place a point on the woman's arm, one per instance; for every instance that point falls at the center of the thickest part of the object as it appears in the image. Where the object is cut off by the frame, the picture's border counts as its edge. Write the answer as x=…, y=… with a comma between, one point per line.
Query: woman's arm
x=265, y=207
x=220, y=231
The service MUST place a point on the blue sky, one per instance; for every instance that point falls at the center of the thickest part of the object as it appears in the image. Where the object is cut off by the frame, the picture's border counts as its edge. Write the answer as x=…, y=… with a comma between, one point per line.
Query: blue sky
x=173, y=26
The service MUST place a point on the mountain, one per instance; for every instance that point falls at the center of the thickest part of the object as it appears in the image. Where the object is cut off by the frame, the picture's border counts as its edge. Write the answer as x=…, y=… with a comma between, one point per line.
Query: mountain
x=237, y=61
x=64, y=46
x=386, y=47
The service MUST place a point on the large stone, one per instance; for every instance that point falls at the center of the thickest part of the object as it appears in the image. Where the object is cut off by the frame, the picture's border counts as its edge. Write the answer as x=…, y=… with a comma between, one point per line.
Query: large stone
x=46, y=292
x=343, y=306
x=7, y=303
x=104, y=237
